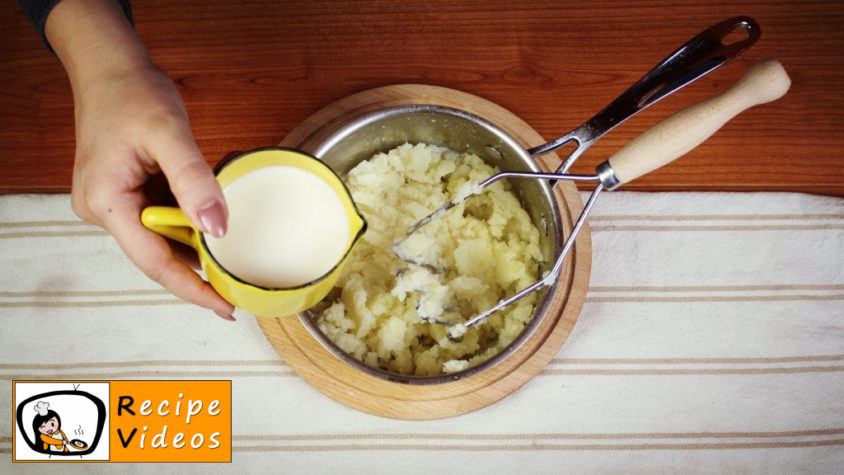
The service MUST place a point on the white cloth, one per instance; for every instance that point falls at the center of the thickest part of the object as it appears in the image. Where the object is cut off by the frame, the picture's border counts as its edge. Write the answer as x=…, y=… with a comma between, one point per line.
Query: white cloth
x=712, y=341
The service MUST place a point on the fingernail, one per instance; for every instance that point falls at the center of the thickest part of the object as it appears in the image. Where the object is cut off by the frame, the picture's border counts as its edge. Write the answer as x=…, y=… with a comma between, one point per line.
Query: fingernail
x=213, y=217
x=225, y=316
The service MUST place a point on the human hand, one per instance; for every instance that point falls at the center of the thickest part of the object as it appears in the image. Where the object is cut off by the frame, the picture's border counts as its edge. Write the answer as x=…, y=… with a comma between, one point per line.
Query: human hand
x=131, y=124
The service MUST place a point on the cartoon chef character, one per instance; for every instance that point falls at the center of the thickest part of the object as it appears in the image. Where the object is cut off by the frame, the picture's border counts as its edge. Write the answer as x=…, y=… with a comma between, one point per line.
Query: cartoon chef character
x=48, y=423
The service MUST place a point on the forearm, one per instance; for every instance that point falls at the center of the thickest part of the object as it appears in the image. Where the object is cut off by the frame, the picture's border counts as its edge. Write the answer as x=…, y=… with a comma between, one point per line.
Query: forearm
x=51, y=441
x=93, y=38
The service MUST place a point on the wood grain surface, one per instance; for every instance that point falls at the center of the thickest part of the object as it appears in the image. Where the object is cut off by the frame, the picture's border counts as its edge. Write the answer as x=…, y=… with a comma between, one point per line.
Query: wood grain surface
x=348, y=385
x=251, y=71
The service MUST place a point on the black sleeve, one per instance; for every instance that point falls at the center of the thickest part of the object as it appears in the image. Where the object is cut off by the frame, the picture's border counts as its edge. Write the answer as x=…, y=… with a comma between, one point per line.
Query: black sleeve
x=37, y=11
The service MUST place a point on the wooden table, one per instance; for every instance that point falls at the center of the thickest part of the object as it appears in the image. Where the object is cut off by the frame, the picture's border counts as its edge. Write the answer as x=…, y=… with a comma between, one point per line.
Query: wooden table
x=250, y=72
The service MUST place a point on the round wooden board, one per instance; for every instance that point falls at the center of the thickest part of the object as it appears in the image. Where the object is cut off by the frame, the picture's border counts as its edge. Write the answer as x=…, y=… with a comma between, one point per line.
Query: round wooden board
x=342, y=382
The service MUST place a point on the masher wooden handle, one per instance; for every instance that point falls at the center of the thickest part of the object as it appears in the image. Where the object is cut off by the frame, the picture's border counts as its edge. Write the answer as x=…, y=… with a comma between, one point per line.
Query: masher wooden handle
x=678, y=134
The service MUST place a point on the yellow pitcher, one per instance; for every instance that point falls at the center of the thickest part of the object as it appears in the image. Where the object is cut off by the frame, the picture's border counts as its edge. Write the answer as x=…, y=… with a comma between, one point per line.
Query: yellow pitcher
x=270, y=302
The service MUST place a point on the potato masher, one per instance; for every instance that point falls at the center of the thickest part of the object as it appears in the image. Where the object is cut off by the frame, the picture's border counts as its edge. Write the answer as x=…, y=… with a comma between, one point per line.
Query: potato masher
x=668, y=140
x=698, y=56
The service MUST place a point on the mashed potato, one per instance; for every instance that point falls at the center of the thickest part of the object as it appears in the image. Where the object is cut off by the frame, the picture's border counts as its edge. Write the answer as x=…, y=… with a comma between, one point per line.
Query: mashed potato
x=471, y=257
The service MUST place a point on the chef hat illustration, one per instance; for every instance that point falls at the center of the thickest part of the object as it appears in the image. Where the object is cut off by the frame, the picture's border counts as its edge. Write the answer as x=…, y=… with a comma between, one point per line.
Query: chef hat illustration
x=42, y=407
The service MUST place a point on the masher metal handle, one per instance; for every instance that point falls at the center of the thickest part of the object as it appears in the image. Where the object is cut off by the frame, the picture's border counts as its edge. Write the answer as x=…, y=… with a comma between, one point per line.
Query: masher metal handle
x=700, y=55
x=681, y=132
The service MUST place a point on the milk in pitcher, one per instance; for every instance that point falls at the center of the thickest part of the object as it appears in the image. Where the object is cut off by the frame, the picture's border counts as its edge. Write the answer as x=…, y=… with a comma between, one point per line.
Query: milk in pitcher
x=287, y=227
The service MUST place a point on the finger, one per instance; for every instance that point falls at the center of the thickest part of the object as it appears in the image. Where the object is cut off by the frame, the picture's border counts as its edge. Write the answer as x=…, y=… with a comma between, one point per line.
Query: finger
x=191, y=179
x=151, y=253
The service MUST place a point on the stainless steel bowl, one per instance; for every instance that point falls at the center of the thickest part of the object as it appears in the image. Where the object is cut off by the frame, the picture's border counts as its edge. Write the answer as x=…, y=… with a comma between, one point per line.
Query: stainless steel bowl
x=361, y=137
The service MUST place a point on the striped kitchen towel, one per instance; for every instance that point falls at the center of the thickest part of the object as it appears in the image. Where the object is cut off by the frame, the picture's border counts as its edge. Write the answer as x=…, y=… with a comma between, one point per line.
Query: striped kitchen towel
x=711, y=341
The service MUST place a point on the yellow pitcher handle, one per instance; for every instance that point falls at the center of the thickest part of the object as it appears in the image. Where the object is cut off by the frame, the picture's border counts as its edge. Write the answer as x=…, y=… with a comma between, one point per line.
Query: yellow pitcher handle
x=170, y=222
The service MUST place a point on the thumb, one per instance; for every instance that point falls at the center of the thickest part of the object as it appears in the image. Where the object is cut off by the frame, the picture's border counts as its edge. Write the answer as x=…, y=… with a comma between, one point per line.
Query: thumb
x=191, y=180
